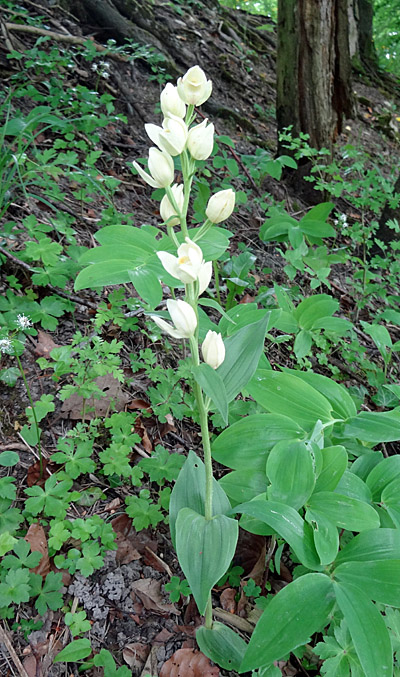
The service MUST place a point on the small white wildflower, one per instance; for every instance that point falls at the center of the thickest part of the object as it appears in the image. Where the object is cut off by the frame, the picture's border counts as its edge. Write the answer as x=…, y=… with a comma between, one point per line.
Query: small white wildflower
x=23, y=322
x=6, y=346
x=105, y=75
x=94, y=67
x=104, y=64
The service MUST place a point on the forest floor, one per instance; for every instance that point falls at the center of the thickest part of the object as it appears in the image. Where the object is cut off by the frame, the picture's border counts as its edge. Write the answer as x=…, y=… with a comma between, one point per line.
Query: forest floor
x=129, y=612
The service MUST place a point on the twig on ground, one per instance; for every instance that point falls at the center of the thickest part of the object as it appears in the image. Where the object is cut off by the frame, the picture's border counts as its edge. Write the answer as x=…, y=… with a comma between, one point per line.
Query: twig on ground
x=5, y=640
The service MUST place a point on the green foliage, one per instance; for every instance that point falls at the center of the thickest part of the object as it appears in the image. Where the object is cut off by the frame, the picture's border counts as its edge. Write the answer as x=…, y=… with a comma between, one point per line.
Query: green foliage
x=176, y=588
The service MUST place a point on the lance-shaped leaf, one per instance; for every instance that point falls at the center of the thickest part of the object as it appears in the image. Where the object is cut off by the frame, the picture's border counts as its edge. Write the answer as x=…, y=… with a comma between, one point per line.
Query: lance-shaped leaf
x=212, y=384
x=292, y=616
x=205, y=549
x=282, y=393
x=243, y=351
x=287, y=523
x=224, y=646
x=368, y=630
x=189, y=492
x=377, y=544
x=260, y=432
x=379, y=580
x=345, y=512
x=290, y=471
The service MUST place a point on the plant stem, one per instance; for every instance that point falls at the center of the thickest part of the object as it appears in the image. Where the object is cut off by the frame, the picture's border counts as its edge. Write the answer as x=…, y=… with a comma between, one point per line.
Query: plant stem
x=216, y=276
x=203, y=413
x=33, y=414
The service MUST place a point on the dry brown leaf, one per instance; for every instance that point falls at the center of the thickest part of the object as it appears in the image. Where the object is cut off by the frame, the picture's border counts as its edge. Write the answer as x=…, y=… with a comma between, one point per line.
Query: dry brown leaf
x=149, y=592
x=150, y=668
x=227, y=600
x=151, y=559
x=188, y=663
x=36, y=538
x=34, y=477
x=135, y=654
x=142, y=432
x=248, y=550
x=163, y=636
x=114, y=397
x=130, y=544
x=31, y=666
x=44, y=344
x=140, y=404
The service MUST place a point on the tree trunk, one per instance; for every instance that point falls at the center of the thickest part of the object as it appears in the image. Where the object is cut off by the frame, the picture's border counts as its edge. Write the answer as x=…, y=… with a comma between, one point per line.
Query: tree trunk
x=313, y=69
x=384, y=233
x=362, y=48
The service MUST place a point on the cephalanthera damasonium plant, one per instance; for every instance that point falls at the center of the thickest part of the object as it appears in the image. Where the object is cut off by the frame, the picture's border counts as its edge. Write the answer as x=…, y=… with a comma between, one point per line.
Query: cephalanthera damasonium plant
x=200, y=534
x=292, y=462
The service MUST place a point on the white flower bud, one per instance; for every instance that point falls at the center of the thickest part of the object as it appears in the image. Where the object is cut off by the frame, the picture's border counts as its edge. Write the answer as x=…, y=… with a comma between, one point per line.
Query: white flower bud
x=171, y=137
x=200, y=141
x=213, y=349
x=167, y=211
x=193, y=87
x=182, y=315
x=161, y=168
x=171, y=102
x=220, y=205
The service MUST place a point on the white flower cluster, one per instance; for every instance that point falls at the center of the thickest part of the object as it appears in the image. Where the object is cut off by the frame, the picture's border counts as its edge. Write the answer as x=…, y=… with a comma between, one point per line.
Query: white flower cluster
x=6, y=346
x=174, y=137
x=102, y=68
x=23, y=322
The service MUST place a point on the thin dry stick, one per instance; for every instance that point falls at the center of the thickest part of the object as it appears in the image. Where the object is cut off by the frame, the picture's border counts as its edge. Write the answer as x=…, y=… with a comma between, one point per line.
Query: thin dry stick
x=71, y=39
x=4, y=640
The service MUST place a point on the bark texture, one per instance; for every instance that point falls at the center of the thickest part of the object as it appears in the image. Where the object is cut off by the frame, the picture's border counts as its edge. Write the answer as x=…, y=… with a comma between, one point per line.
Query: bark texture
x=385, y=233
x=313, y=68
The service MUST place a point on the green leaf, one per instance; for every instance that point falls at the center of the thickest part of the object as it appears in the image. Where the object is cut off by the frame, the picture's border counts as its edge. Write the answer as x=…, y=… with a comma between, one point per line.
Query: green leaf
x=16, y=587
x=390, y=500
x=101, y=275
x=222, y=645
x=334, y=463
x=7, y=542
x=302, y=344
x=345, y=512
x=147, y=285
x=189, y=492
x=243, y=485
x=374, y=426
x=243, y=351
x=342, y=403
x=368, y=630
x=293, y=615
x=326, y=537
x=314, y=308
x=212, y=384
x=260, y=432
x=377, y=544
x=9, y=458
x=74, y=651
x=282, y=393
x=127, y=235
x=354, y=487
x=379, y=580
x=287, y=523
x=290, y=471
x=382, y=475
x=205, y=549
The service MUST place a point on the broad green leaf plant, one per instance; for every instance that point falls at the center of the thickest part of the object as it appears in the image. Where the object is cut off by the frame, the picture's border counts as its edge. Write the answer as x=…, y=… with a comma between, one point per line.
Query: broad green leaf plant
x=303, y=468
